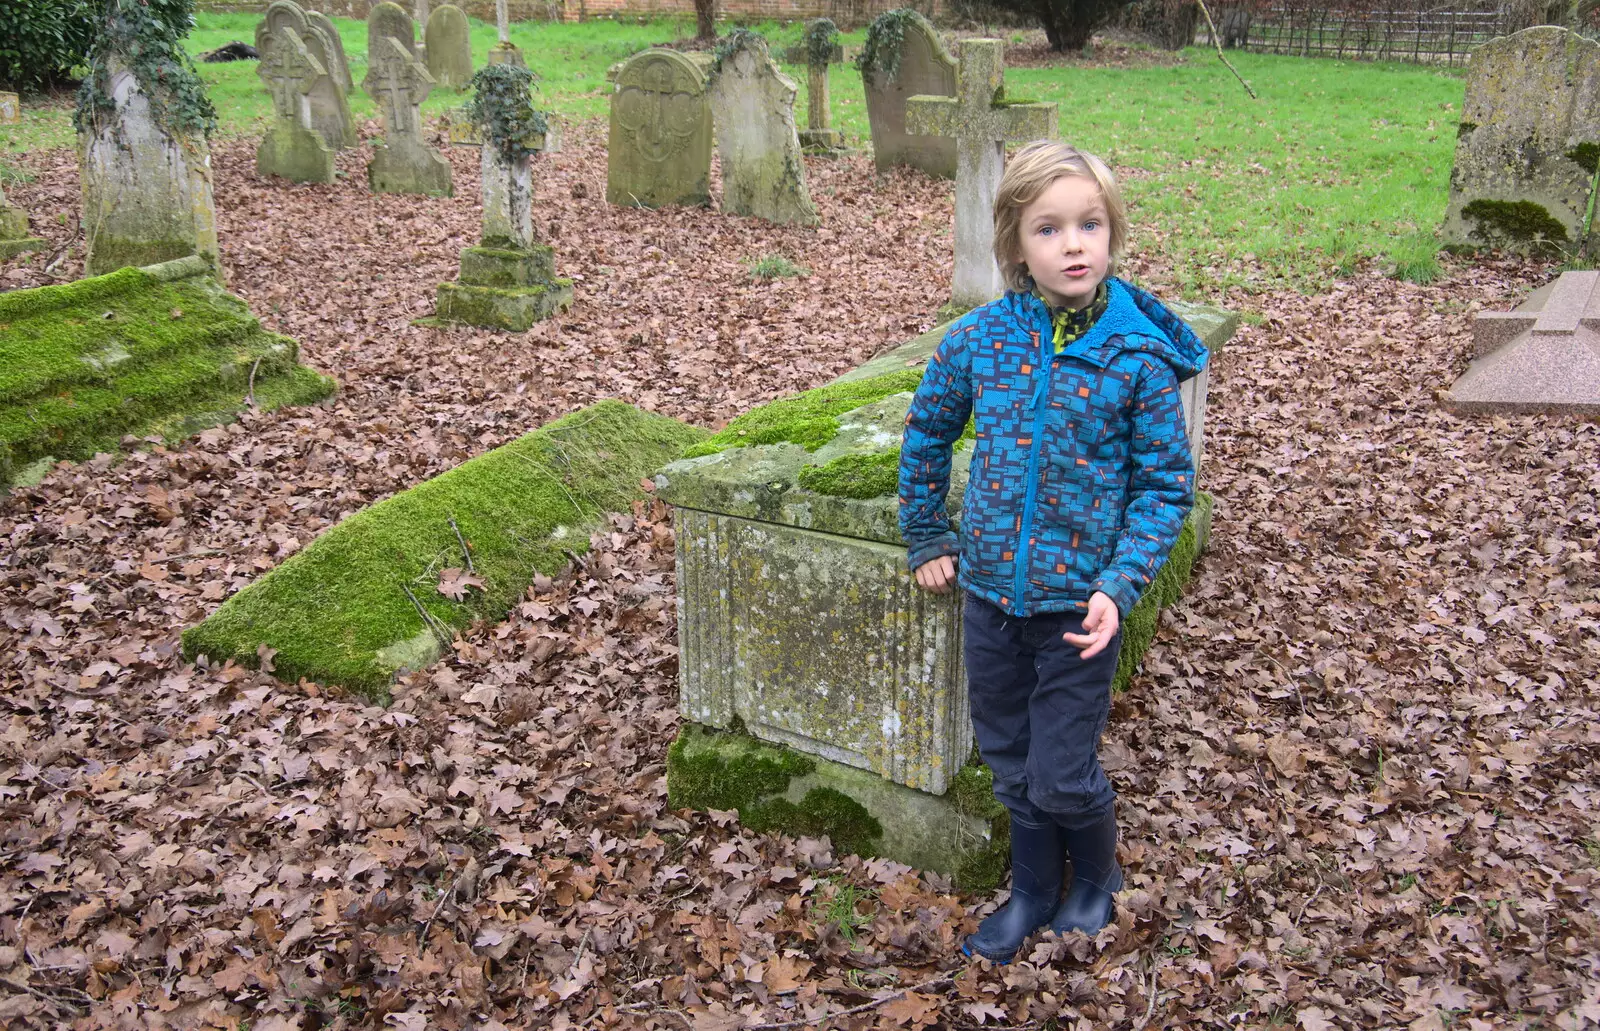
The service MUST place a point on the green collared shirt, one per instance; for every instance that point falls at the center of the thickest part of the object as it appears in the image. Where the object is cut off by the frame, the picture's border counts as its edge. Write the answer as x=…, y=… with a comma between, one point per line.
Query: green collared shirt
x=1072, y=323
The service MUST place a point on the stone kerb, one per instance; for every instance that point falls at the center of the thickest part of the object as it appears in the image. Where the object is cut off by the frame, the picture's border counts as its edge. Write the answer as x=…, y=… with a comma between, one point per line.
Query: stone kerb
x=763, y=174
x=925, y=69
x=659, y=147
x=327, y=101
x=1542, y=359
x=1528, y=144
x=800, y=627
x=448, y=44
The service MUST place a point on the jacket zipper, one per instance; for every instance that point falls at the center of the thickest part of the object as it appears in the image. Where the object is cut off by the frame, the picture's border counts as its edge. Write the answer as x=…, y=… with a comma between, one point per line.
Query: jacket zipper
x=1040, y=393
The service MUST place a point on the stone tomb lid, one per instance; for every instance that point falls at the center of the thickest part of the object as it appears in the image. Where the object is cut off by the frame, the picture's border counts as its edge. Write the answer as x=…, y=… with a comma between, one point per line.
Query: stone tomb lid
x=1542, y=358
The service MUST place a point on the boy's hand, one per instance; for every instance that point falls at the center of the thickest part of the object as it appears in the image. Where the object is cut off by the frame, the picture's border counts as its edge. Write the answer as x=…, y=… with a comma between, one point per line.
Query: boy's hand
x=1100, y=626
x=938, y=574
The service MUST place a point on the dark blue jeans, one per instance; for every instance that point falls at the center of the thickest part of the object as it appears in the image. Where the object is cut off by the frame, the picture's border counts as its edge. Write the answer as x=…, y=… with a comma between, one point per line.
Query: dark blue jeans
x=1038, y=710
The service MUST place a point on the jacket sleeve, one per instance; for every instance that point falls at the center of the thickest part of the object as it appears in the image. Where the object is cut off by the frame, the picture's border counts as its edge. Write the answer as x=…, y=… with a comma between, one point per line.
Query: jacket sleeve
x=936, y=420
x=1160, y=488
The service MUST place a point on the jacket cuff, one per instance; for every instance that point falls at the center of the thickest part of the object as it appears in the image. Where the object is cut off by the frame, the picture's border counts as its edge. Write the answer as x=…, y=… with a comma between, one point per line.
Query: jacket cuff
x=1120, y=590
x=921, y=554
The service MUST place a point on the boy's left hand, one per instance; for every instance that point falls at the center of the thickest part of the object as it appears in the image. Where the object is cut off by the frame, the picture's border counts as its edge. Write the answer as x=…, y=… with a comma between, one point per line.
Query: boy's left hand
x=1100, y=626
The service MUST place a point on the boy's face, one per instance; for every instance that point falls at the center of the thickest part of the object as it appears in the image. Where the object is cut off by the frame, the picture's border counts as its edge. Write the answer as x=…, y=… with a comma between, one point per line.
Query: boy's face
x=1066, y=241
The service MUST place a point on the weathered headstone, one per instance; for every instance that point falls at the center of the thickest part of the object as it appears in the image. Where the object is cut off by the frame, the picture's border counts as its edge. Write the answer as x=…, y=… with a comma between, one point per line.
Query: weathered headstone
x=10, y=108
x=14, y=238
x=798, y=620
x=763, y=174
x=508, y=281
x=327, y=102
x=820, y=48
x=403, y=163
x=390, y=21
x=146, y=187
x=503, y=52
x=1543, y=358
x=449, y=47
x=340, y=67
x=291, y=147
x=980, y=122
x=659, y=148
x=1528, y=144
x=921, y=66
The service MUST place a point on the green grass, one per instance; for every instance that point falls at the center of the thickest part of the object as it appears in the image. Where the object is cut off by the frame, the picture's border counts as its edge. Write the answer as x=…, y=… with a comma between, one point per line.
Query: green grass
x=775, y=266
x=1337, y=163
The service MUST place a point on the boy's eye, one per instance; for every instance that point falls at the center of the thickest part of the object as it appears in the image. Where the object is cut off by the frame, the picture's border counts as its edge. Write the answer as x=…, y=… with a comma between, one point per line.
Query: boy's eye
x=1091, y=225
x=1047, y=230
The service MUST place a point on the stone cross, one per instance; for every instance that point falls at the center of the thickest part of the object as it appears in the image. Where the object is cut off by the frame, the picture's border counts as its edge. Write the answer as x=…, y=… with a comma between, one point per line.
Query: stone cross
x=400, y=84
x=502, y=21
x=507, y=199
x=503, y=52
x=819, y=133
x=981, y=123
x=290, y=70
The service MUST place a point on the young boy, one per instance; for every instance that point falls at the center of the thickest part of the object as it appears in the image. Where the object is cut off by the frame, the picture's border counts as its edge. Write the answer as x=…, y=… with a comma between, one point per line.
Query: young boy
x=1080, y=481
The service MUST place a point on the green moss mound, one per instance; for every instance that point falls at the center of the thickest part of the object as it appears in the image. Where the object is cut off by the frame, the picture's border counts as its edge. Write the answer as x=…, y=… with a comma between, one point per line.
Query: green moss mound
x=157, y=350
x=339, y=612
x=1139, y=628
x=1516, y=222
x=855, y=476
x=808, y=419
x=1586, y=156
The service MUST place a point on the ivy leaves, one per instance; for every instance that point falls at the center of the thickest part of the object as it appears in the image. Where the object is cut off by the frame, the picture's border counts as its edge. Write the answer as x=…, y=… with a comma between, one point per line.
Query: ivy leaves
x=145, y=37
x=502, y=103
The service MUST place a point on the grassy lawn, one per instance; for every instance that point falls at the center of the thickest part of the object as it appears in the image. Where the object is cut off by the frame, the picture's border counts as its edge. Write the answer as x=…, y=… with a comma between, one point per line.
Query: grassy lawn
x=1337, y=161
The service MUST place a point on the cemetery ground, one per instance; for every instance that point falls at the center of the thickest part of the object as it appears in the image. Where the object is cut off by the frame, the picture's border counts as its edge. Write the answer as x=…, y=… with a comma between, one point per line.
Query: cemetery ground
x=1357, y=772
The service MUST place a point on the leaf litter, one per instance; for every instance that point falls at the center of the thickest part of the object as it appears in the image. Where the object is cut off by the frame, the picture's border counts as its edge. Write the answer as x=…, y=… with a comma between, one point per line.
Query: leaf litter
x=1357, y=774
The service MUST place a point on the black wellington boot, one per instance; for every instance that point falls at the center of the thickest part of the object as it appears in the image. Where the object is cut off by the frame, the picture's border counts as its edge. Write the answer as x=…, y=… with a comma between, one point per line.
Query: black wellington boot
x=1036, y=873
x=1095, y=877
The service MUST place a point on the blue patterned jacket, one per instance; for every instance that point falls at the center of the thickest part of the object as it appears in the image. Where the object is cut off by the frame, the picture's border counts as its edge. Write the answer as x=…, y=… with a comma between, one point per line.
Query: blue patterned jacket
x=1080, y=476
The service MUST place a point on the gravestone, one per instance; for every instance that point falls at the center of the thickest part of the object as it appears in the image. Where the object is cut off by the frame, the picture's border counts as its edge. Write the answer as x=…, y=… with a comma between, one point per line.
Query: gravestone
x=799, y=621
x=390, y=21
x=763, y=174
x=292, y=148
x=403, y=163
x=503, y=52
x=10, y=108
x=14, y=238
x=1528, y=144
x=819, y=48
x=980, y=122
x=1542, y=358
x=449, y=47
x=146, y=190
x=340, y=67
x=327, y=102
x=925, y=68
x=658, y=151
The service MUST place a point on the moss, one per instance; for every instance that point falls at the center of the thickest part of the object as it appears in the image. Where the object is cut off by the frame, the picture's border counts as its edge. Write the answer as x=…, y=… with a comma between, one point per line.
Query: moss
x=145, y=351
x=111, y=253
x=1465, y=129
x=334, y=607
x=510, y=308
x=808, y=419
x=854, y=476
x=822, y=811
x=1516, y=222
x=1139, y=627
x=728, y=771
x=1586, y=156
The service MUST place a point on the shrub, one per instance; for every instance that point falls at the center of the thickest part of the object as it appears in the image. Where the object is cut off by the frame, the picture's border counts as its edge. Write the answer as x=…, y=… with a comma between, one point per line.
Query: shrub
x=44, y=43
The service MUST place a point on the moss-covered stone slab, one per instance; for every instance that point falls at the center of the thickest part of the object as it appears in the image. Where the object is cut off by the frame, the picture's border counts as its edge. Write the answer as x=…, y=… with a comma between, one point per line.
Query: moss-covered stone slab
x=963, y=834
x=349, y=609
x=515, y=309
x=162, y=350
x=1528, y=145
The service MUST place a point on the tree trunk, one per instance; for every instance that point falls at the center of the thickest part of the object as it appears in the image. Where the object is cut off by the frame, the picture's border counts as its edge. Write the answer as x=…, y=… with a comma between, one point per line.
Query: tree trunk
x=705, y=19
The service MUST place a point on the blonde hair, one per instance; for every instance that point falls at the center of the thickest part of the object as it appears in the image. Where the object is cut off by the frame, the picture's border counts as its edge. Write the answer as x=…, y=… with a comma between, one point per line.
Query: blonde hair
x=1029, y=173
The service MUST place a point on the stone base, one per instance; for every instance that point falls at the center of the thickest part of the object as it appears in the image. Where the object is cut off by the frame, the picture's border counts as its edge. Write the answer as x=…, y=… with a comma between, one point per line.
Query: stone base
x=298, y=154
x=963, y=834
x=409, y=167
x=508, y=267
x=11, y=248
x=492, y=307
x=505, y=53
x=822, y=141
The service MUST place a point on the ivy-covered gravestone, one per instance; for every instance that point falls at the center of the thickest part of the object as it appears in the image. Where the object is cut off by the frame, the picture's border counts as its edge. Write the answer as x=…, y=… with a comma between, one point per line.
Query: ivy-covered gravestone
x=508, y=281
x=327, y=102
x=763, y=174
x=1528, y=146
x=145, y=167
x=291, y=148
x=824, y=691
x=903, y=57
x=819, y=48
x=14, y=238
x=403, y=162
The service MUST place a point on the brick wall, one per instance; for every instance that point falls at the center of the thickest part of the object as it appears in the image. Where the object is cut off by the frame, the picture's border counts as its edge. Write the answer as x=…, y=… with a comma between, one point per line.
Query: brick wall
x=847, y=13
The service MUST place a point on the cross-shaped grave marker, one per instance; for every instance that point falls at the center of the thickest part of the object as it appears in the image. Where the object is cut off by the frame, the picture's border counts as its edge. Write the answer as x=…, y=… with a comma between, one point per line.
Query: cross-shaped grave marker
x=980, y=121
x=819, y=134
x=290, y=70
x=503, y=52
x=292, y=148
x=399, y=82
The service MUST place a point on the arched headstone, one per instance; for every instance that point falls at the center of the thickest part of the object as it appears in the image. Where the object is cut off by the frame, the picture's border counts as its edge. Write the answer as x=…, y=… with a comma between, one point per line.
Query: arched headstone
x=449, y=47
x=390, y=21
x=335, y=47
x=763, y=174
x=404, y=163
x=659, y=148
x=925, y=68
x=330, y=107
x=1528, y=144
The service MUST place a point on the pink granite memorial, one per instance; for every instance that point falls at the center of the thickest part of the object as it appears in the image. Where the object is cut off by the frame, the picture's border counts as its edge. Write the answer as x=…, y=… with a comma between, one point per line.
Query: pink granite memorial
x=1543, y=358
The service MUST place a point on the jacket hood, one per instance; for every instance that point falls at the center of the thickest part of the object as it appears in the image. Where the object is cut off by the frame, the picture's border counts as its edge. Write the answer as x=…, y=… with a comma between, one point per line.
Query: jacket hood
x=1133, y=321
